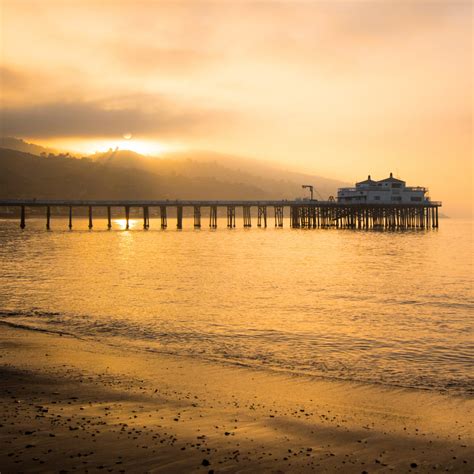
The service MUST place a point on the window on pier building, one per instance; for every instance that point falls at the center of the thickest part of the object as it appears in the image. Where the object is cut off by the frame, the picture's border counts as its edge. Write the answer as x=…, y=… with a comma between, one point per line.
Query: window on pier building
x=377, y=198
x=415, y=198
x=396, y=185
x=396, y=198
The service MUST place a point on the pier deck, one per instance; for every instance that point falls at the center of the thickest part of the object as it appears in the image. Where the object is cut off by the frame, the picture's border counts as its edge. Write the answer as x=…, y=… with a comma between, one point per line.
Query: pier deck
x=303, y=213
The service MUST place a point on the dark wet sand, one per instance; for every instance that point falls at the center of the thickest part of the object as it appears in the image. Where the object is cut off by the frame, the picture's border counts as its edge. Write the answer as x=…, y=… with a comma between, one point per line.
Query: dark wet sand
x=73, y=405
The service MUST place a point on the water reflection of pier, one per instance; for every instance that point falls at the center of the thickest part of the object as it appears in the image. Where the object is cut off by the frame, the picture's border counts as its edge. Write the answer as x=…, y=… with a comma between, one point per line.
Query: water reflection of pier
x=302, y=214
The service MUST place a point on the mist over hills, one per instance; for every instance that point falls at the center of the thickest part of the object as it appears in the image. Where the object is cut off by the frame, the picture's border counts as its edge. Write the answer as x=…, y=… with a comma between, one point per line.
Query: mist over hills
x=31, y=171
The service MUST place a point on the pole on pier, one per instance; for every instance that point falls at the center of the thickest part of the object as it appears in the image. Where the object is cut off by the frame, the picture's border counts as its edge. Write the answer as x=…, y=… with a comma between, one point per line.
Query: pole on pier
x=90, y=217
x=197, y=217
x=127, y=217
x=48, y=218
x=179, y=216
x=163, y=217
x=109, y=218
x=22, y=218
x=70, y=217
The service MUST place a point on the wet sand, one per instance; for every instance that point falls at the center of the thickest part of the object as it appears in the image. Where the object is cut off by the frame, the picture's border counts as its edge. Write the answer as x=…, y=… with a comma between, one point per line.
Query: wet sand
x=75, y=405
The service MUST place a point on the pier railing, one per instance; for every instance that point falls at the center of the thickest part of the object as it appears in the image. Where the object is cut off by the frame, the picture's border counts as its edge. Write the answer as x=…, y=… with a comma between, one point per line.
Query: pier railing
x=302, y=213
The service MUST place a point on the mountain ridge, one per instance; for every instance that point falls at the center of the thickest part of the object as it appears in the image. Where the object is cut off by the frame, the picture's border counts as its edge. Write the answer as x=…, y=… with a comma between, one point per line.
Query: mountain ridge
x=124, y=174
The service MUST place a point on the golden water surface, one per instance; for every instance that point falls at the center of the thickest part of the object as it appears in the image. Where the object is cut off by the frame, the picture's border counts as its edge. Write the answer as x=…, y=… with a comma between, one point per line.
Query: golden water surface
x=382, y=307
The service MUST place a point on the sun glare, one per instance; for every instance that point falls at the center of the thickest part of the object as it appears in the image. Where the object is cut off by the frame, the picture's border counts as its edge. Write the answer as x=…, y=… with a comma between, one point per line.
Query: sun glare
x=126, y=142
x=120, y=223
x=144, y=147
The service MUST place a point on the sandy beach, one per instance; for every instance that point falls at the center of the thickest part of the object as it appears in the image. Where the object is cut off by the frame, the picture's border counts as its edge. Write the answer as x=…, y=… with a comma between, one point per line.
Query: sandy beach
x=76, y=405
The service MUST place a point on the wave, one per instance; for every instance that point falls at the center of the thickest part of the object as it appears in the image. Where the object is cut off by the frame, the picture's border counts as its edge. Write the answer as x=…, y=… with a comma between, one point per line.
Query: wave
x=335, y=358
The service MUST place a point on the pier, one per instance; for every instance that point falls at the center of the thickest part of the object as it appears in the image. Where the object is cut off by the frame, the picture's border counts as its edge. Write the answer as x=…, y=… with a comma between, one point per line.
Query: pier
x=303, y=214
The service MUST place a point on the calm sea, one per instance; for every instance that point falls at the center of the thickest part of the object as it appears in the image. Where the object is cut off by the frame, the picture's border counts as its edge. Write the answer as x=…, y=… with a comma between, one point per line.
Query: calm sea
x=393, y=308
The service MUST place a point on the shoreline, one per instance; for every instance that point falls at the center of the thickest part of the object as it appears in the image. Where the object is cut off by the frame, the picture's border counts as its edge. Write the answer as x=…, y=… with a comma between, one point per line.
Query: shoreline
x=314, y=377
x=63, y=398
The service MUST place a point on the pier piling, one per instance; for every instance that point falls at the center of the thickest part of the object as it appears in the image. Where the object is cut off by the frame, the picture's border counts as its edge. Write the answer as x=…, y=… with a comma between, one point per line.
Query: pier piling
x=179, y=217
x=70, y=218
x=197, y=217
x=146, y=218
x=163, y=217
x=90, y=217
x=213, y=217
x=230, y=217
x=22, y=218
x=262, y=216
x=278, y=216
x=127, y=217
x=247, y=216
x=48, y=218
x=109, y=218
x=295, y=217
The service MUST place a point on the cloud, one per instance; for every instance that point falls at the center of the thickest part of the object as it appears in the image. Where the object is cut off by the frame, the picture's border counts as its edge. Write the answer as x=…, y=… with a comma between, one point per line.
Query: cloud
x=138, y=115
x=337, y=31
x=140, y=58
x=10, y=79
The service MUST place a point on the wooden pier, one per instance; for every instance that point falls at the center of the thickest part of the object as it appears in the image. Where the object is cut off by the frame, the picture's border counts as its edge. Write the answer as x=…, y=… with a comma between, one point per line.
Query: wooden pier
x=303, y=214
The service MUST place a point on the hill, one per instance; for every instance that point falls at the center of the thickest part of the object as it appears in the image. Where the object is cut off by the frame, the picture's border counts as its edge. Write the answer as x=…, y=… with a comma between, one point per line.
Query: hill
x=20, y=145
x=24, y=175
x=122, y=174
x=274, y=181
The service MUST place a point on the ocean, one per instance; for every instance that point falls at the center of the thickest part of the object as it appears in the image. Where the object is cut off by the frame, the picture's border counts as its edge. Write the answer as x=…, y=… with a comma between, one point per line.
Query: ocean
x=386, y=307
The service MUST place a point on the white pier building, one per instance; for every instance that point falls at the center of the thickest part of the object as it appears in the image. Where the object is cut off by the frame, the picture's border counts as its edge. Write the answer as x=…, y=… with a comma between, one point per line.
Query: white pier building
x=389, y=190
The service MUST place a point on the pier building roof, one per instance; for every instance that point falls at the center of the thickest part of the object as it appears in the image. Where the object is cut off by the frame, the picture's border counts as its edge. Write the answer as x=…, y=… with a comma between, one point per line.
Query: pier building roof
x=391, y=179
x=367, y=182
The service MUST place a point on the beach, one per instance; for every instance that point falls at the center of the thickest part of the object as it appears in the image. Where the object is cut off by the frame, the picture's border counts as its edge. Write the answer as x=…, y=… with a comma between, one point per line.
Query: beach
x=236, y=237
x=72, y=404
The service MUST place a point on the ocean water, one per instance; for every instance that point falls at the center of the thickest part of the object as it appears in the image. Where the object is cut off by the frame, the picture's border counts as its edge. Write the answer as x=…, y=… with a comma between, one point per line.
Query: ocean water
x=392, y=308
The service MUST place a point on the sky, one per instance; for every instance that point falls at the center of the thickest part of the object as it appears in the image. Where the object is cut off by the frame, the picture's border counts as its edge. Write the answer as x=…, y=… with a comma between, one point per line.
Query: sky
x=342, y=89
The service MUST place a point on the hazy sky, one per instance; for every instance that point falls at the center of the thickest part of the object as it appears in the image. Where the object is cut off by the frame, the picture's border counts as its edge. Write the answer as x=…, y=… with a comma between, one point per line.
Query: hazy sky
x=338, y=88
